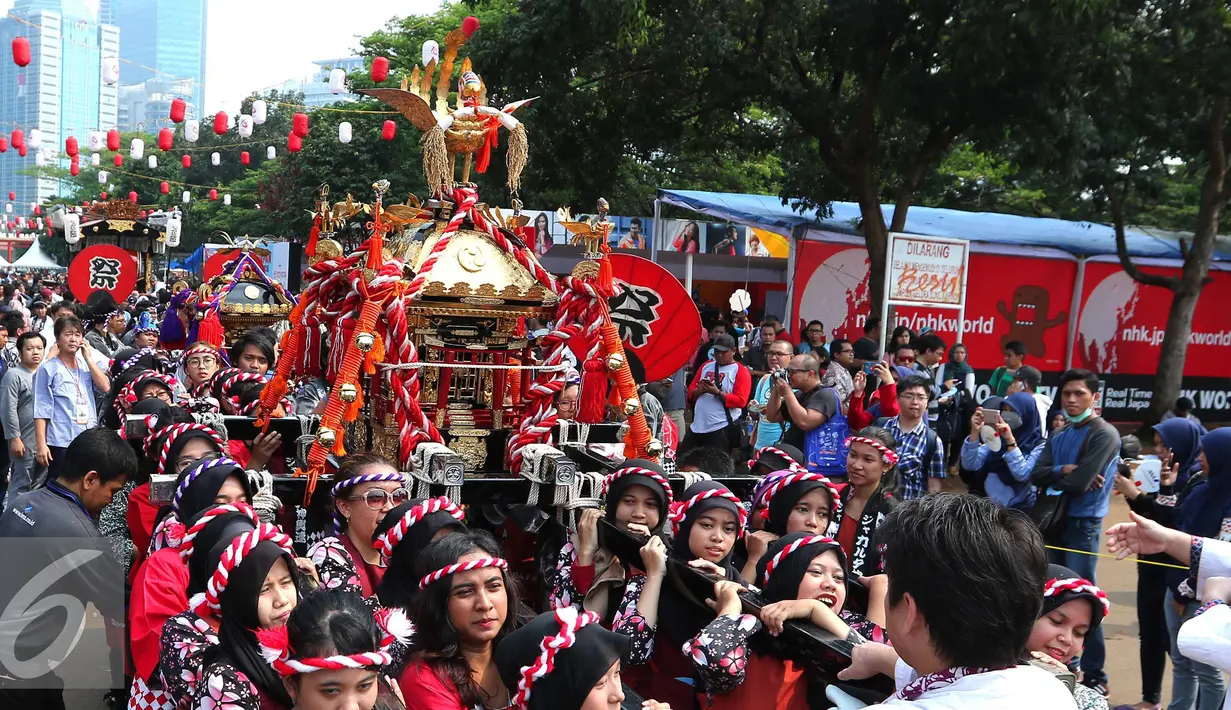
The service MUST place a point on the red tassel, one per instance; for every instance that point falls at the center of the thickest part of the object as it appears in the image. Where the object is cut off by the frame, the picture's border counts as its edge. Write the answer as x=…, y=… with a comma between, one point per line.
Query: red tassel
x=592, y=407
x=313, y=236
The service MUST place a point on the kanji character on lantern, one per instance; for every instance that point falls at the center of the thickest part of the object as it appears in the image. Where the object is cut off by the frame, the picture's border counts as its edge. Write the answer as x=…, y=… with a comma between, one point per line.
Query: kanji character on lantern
x=136, y=149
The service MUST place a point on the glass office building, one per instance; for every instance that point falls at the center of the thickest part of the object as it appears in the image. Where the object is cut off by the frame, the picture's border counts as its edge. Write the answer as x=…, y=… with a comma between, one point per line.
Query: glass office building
x=164, y=40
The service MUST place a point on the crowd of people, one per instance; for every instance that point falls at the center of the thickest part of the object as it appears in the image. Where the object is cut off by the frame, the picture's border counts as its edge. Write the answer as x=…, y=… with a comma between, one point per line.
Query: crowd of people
x=981, y=599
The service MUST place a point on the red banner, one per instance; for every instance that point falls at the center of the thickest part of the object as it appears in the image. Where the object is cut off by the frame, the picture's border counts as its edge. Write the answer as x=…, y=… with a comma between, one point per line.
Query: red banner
x=1007, y=298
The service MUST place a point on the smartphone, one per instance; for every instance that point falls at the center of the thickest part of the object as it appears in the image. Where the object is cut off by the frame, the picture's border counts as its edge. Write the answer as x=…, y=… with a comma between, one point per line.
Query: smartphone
x=991, y=417
x=867, y=367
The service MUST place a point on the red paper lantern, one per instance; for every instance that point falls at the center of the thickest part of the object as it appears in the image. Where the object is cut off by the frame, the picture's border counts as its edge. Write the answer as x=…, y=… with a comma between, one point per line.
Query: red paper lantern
x=74, y=169
x=104, y=195
x=186, y=160
x=113, y=139
x=118, y=160
x=47, y=221
x=380, y=69
x=22, y=151
x=4, y=145
x=164, y=187
x=33, y=223
x=220, y=123
x=299, y=125
x=12, y=195
x=470, y=25
x=132, y=197
x=294, y=143
x=244, y=158
x=177, y=110
x=18, y=138
x=21, y=51
x=38, y=210
x=213, y=194
x=166, y=137
x=70, y=146
x=389, y=131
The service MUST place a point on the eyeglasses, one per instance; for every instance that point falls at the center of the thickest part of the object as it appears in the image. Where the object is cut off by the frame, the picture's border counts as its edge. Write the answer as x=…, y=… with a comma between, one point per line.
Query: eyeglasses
x=201, y=361
x=777, y=354
x=797, y=370
x=913, y=397
x=844, y=352
x=566, y=404
x=377, y=498
x=906, y=359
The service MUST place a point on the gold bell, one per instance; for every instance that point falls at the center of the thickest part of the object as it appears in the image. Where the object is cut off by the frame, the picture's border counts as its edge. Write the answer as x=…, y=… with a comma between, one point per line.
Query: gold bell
x=365, y=341
x=615, y=361
x=654, y=448
x=348, y=393
x=326, y=437
x=630, y=406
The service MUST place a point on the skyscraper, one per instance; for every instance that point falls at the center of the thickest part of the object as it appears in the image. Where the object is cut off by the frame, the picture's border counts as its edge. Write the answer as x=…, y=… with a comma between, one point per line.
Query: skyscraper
x=165, y=40
x=61, y=91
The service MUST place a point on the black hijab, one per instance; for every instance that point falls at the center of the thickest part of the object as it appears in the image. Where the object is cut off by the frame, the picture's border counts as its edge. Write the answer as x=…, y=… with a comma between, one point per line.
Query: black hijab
x=209, y=545
x=784, y=501
x=621, y=484
x=576, y=670
x=783, y=584
x=399, y=585
x=201, y=492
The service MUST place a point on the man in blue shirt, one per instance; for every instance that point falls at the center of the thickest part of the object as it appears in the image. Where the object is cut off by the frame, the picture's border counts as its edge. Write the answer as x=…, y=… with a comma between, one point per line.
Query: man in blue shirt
x=63, y=388
x=1080, y=461
x=921, y=459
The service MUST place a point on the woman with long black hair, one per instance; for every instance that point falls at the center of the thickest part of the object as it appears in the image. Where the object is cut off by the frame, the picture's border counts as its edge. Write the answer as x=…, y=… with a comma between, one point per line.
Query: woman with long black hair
x=871, y=494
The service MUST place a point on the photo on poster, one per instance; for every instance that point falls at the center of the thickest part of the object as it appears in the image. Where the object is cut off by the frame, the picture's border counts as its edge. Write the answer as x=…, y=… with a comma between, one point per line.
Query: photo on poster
x=763, y=243
x=540, y=233
x=725, y=238
x=632, y=232
x=683, y=235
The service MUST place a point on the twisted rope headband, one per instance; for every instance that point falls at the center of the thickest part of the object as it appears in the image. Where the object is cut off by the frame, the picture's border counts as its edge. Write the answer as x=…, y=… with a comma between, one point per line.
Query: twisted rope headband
x=791, y=463
x=638, y=471
x=800, y=477
x=233, y=557
x=137, y=357
x=174, y=432
x=481, y=563
x=249, y=409
x=354, y=481
x=679, y=511
x=890, y=456
x=570, y=622
x=391, y=538
x=194, y=472
x=275, y=648
x=187, y=545
x=1055, y=587
x=784, y=552
x=128, y=395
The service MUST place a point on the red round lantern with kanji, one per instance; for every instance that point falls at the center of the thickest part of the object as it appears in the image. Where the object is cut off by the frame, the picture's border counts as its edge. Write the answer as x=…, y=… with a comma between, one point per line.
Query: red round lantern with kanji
x=389, y=130
x=244, y=158
x=299, y=125
x=221, y=122
x=186, y=160
x=166, y=137
x=70, y=147
x=213, y=194
x=118, y=160
x=164, y=187
x=18, y=138
x=132, y=197
x=294, y=143
x=21, y=53
x=657, y=319
x=102, y=267
x=178, y=107
x=113, y=139
x=380, y=69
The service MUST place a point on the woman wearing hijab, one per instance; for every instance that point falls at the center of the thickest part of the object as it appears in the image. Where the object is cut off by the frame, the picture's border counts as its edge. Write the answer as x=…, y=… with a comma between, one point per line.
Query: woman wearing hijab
x=1072, y=608
x=800, y=501
x=659, y=619
x=737, y=656
x=564, y=660
x=466, y=607
x=637, y=497
x=401, y=537
x=870, y=495
x=369, y=487
x=1180, y=442
x=1006, y=463
x=255, y=588
x=170, y=678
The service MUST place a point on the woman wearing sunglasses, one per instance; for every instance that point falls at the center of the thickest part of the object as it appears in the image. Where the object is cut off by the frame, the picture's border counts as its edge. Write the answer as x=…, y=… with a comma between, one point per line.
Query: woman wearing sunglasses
x=368, y=487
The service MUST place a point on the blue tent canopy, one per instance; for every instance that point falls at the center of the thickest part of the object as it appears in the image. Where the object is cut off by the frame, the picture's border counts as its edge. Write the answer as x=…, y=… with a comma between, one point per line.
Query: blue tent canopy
x=192, y=262
x=1077, y=238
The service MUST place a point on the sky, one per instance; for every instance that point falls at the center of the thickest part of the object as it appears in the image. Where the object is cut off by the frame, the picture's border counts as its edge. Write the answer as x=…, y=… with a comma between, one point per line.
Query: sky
x=258, y=44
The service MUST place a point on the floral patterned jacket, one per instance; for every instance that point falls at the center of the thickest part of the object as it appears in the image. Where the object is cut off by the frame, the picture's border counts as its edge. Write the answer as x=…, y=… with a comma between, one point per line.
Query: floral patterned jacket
x=185, y=639
x=334, y=565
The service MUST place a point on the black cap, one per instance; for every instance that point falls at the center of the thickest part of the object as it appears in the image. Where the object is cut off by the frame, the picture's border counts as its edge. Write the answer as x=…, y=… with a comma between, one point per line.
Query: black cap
x=38, y=303
x=1029, y=376
x=724, y=343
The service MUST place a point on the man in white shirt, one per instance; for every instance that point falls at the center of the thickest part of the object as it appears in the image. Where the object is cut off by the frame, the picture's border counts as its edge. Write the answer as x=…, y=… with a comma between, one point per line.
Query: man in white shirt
x=719, y=392
x=965, y=588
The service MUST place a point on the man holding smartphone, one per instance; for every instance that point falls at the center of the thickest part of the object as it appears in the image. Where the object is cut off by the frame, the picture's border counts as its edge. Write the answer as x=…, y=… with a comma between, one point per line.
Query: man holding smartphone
x=719, y=392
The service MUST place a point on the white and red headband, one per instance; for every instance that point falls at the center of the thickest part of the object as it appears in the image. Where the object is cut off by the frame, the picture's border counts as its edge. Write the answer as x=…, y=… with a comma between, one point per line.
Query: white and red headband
x=341, y=486
x=188, y=544
x=128, y=396
x=786, y=551
x=276, y=647
x=890, y=456
x=638, y=471
x=481, y=563
x=1076, y=585
x=679, y=510
x=233, y=557
x=800, y=477
x=174, y=432
x=791, y=463
x=389, y=540
x=571, y=621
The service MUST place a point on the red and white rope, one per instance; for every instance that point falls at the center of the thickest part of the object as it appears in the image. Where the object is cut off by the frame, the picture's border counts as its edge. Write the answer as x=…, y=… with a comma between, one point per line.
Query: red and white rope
x=481, y=563
x=789, y=549
x=570, y=622
x=679, y=511
x=799, y=477
x=638, y=471
x=890, y=456
x=233, y=557
x=275, y=648
x=791, y=463
x=1077, y=585
x=128, y=395
x=388, y=541
x=174, y=432
x=187, y=545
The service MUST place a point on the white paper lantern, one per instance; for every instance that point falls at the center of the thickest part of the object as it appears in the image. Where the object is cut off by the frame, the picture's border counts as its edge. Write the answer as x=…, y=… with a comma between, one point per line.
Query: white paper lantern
x=259, y=111
x=96, y=141
x=34, y=138
x=337, y=81
x=270, y=153
x=174, y=227
x=226, y=199
x=187, y=196
x=215, y=159
x=111, y=188
x=244, y=125
x=102, y=177
x=95, y=160
x=111, y=70
x=40, y=159
x=152, y=161
x=192, y=130
x=8, y=208
x=72, y=228
x=344, y=132
x=431, y=51
x=136, y=149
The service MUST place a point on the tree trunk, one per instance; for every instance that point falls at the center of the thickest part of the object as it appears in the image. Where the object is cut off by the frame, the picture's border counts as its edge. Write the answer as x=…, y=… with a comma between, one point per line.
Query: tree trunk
x=875, y=237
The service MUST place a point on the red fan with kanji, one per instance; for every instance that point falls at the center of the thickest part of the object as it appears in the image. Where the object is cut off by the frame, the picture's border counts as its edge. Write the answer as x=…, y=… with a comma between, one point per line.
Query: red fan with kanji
x=658, y=320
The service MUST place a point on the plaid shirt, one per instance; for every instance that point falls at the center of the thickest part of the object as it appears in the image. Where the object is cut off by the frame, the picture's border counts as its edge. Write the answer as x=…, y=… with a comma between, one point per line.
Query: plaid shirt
x=911, y=448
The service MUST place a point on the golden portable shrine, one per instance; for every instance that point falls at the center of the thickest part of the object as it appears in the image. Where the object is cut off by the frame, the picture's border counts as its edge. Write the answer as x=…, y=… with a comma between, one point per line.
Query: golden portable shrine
x=122, y=223
x=243, y=295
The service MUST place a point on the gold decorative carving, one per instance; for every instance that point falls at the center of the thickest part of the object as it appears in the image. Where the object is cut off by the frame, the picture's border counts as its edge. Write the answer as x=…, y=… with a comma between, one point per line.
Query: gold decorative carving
x=487, y=389
x=471, y=446
x=121, y=225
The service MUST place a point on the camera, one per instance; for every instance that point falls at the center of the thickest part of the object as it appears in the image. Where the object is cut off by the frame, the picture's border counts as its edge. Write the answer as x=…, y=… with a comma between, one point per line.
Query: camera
x=781, y=374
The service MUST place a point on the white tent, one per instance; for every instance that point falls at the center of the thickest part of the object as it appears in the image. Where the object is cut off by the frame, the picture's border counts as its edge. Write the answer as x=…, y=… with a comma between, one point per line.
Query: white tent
x=35, y=258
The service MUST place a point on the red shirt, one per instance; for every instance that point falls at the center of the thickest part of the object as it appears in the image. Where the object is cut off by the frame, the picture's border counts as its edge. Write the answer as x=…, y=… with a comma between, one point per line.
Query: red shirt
x=159, y=592
x=424, y=690
x=769, y=683
x=140, y=515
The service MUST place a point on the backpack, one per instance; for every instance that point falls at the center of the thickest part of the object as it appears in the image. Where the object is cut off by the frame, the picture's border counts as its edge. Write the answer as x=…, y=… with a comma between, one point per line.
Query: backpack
x=825, y=447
